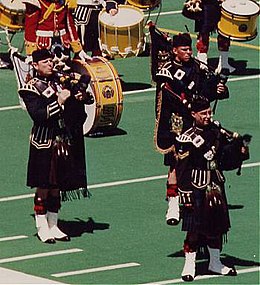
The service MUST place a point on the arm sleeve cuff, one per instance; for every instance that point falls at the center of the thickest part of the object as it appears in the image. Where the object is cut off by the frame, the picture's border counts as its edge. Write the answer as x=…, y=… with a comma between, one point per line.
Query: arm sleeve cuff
x=30, y=47
x=76, y=46
x=111, y=5
x=53, y=109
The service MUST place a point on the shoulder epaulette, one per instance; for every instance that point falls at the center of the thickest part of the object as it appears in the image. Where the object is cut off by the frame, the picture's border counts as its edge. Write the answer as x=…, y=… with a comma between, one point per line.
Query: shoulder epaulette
x=191, y=136
x=165, y=71
x=30, y=86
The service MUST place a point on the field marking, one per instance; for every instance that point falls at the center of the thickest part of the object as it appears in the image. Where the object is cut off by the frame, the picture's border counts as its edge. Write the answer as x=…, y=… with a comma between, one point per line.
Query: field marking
x=115, y=183
x=152, y=89
x=232, y=43
x=97, y=269
x=9, y=276
x=163, y=13
x=38, y=255
x=12, y=238
x=200, y=277
x=10, y=108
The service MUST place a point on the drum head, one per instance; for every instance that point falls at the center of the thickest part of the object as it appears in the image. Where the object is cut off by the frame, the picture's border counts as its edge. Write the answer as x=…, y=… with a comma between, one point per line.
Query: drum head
x=241, y=8
x=126, y=16
x=13, y=5
x=105, y=87
x=91, y=114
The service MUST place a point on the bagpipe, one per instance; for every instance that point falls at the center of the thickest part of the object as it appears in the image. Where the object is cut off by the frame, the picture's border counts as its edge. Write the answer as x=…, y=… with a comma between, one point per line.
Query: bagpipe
x=161, y=52
x=161, y=48
x=236, y=151
x=76, y=83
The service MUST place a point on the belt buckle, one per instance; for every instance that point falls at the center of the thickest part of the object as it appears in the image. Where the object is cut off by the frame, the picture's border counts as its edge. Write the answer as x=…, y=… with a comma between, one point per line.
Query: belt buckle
x=56, y=33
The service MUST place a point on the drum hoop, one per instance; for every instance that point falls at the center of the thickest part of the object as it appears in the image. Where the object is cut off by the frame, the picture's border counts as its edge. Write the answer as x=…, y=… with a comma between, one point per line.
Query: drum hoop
x=123, y=28
x=99, y=102
x=239, y=17
x=239, y=39
x=243, y=16
x=95, y=81
x=9, y=10
x=143, y=6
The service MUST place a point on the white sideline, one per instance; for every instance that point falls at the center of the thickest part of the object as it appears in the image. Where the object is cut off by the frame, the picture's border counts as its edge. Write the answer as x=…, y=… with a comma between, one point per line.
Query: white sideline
x=9, y=276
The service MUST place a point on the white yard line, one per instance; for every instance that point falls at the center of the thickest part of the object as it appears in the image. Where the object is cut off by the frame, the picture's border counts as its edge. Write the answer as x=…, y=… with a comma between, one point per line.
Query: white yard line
x=152, y=89
x=12, y=238
x=115, y=183
x=179, y=280
x=38, y=255
x=97, y=269
x=164, y=13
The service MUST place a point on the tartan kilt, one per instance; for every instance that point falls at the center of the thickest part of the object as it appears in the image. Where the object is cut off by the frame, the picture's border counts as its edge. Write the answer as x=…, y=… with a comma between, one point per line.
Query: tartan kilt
x=201, y=218
x=70, y=173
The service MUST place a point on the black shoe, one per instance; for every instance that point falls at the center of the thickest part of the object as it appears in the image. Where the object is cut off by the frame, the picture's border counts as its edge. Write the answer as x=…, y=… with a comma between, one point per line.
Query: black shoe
x=172, y=222
x=232, y=272
x=187, y=278
x=49, y=240
x=66, y=238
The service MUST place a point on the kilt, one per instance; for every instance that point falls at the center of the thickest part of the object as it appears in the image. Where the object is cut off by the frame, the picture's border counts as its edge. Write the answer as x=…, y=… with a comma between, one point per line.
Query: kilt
x=69, y=172
x=211, y=13
x=202, y=219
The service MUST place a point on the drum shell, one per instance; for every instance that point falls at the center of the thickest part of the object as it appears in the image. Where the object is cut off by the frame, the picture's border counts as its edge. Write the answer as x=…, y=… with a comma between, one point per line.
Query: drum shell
x=238, y=27
x=144, y=4
x=122, y=41
x=13, y=20
x=106, y=88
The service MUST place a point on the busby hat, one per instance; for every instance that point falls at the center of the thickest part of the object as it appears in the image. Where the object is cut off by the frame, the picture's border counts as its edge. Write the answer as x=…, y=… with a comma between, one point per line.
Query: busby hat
x=200, y=104
x=181, y=40
x=41, y=54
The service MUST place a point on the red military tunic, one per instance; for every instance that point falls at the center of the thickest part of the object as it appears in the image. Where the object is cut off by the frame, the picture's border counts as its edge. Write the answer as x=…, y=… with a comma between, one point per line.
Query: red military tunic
x=45, y=19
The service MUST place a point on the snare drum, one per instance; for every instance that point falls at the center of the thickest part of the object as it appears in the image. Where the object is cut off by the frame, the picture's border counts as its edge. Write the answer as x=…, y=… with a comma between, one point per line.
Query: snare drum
x=105, y=86
x=144, y=4
x=239, y=20
x=122, y=34
x=12, y=14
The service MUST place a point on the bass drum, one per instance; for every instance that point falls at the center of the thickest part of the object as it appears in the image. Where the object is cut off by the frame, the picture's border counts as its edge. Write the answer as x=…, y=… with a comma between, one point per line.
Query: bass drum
x=105, y=87
x=12, y=15
x=144, y=4
x=239, y=20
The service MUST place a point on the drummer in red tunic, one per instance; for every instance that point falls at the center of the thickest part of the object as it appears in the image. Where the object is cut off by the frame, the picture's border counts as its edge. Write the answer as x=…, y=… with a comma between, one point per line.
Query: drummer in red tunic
x=207, y=15
x=48, y=24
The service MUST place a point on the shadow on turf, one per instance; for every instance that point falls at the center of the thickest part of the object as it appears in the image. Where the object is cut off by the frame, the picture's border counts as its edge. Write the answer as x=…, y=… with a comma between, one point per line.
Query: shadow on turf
x=240, y=65
x=106, y=132
x=131, y=86
x=202, y=261
x=78, y=227
x=235, y=207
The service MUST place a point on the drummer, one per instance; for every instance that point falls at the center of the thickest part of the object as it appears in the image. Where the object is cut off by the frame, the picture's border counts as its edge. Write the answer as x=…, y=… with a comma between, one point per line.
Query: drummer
x=86, y=20
x=205, y=24
x=49, y=25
